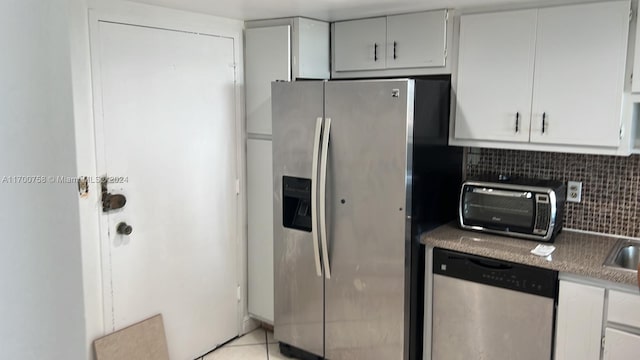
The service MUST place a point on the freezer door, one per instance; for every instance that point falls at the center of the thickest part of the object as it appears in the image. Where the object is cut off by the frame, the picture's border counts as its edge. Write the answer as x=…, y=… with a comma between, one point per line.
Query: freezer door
x=298, y=313
x=367, y=202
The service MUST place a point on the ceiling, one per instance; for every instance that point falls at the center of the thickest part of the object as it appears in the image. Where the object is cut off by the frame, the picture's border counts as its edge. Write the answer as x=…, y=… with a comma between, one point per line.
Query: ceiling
x=329, y=10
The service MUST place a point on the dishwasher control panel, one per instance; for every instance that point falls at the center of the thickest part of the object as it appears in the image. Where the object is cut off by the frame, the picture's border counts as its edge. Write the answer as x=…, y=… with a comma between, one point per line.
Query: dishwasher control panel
x=499, y=273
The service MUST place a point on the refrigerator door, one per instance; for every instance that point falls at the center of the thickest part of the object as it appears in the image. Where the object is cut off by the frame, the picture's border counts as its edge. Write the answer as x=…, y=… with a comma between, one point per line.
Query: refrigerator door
x=367, y=207
x=298, y=298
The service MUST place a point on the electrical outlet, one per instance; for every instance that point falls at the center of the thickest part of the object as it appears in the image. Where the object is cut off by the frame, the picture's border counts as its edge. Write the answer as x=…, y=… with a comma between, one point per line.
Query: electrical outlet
x=574, y=191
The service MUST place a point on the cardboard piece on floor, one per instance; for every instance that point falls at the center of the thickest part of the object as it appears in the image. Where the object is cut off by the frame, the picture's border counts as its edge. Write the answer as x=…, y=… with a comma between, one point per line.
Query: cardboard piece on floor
x=145, y=340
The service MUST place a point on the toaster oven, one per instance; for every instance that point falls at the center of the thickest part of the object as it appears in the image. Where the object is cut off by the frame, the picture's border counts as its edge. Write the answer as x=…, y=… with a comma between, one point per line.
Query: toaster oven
x=525, y=208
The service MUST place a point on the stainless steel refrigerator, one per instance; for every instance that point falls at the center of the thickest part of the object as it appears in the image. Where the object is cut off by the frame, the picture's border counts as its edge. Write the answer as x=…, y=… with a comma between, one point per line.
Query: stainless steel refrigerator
x=361, y=168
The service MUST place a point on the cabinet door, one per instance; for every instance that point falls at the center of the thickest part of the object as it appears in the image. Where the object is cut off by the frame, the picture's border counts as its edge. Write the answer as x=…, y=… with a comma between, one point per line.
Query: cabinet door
x=417, y=40
x=579, y=321
x=260, y=228
x=267, y=58
x=579, y=76
x=311, y=49
x=360, y=44
x=495, y=75
x=624, y=308
x=620, y=345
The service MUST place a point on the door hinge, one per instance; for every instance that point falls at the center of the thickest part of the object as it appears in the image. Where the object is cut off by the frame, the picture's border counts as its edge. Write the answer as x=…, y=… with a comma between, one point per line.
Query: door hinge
x=630, y=15
x=83, y=186
x=239, y=293
x=237, y=186
x=621, y=131
x=602, y=342
x=235, y=73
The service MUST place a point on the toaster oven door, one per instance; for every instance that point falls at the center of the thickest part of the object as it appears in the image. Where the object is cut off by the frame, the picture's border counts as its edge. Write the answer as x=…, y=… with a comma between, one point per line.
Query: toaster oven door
x=498, y=209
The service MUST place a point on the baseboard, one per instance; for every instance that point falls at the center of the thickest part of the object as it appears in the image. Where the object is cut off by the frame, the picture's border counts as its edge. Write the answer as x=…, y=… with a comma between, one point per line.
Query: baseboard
x=249, y=324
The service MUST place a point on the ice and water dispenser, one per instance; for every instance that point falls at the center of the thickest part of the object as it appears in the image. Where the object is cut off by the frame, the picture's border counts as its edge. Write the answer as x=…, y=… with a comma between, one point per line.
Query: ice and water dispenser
x=296, y=212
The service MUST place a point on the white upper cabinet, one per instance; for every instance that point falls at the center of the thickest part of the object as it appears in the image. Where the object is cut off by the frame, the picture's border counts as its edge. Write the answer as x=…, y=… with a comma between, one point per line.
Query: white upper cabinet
x=360, y=44
x=397, y=45
x=416, y=40
x=310, y=49
x=267, y=58
x=495, y=76
x=282, y=49
x=559, y=70
x=579, y=76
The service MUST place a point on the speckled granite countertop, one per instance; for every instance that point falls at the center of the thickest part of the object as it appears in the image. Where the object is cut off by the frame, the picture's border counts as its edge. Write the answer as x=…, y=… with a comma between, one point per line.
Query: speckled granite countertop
x=576, y=253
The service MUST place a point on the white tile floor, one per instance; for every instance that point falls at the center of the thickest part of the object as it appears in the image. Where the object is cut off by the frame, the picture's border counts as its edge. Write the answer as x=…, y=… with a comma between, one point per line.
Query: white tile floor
x=256, y=345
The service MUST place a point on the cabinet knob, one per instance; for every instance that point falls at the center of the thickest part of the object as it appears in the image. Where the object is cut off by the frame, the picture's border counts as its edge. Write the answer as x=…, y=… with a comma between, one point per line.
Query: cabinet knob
x=544, y=120
x=375, y=51
x=395, y=44
x=517, y=122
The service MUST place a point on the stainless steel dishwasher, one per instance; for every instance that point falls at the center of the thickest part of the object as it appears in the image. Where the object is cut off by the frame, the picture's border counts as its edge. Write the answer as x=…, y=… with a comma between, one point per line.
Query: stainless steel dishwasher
x=486, y=309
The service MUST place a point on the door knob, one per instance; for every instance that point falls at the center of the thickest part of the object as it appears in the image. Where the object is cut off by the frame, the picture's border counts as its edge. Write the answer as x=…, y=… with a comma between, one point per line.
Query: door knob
x=124, y=229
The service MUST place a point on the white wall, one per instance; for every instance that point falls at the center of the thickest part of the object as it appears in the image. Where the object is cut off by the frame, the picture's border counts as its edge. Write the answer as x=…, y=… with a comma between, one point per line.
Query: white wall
x=41, y=302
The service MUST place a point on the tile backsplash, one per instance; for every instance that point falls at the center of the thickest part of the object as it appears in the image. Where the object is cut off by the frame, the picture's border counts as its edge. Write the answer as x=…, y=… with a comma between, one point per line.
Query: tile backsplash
x=610, y=184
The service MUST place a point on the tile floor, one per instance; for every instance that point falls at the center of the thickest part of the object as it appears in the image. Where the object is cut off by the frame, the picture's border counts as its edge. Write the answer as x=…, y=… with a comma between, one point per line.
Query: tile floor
x=256, y=345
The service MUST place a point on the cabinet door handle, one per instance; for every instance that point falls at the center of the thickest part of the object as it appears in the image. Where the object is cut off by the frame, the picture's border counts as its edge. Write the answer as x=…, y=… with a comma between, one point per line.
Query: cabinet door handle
x=395, y=44
x=517, y=122
x=375, y=51
x=544, y=120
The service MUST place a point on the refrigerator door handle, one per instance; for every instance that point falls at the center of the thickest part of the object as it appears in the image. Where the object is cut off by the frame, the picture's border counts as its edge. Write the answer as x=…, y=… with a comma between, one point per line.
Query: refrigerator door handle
x=314, y=196
x=323, y=201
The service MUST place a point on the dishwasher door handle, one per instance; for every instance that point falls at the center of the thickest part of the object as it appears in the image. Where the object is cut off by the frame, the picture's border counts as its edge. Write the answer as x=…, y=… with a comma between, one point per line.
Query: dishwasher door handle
x=493, y=265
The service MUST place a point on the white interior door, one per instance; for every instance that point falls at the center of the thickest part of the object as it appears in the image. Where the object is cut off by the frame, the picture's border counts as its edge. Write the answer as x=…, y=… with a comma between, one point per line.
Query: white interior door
x=167, y=124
